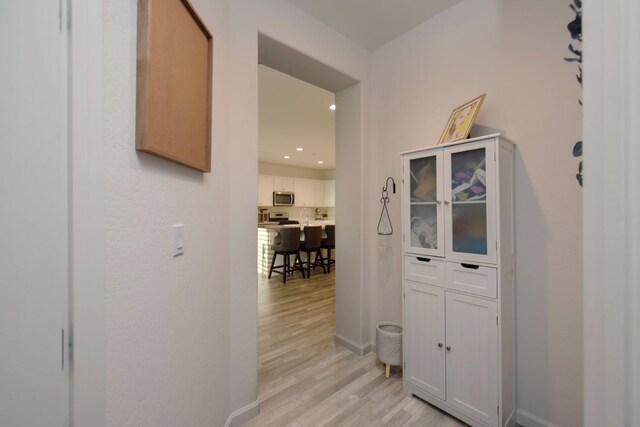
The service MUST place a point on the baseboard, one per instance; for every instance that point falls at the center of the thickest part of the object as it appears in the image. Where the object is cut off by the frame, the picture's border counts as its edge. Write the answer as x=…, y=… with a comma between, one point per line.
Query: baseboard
x=242, y=415
x=527, y=419
x=511, y=420
x=360, y=349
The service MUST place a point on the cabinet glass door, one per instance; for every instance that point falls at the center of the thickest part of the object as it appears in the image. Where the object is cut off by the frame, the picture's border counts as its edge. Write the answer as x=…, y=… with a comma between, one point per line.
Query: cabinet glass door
x=470, y=202
x=423, y=191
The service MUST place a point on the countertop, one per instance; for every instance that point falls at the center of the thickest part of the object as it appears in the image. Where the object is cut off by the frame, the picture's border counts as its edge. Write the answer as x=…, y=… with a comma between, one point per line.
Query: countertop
x=276, y=226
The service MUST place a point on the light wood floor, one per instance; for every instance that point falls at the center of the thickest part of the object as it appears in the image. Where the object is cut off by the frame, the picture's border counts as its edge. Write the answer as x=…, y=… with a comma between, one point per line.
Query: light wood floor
x=305, y=379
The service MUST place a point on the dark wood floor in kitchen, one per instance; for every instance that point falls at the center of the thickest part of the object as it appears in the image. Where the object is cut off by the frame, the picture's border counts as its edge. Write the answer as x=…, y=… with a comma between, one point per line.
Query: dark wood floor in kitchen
x=305, y=379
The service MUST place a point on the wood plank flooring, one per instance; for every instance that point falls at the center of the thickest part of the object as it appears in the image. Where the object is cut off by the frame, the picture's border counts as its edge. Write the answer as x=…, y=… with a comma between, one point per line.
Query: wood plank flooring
x=305, y=379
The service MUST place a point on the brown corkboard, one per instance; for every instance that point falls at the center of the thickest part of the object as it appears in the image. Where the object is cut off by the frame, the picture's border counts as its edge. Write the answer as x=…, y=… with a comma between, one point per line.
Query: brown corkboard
x=173, y=94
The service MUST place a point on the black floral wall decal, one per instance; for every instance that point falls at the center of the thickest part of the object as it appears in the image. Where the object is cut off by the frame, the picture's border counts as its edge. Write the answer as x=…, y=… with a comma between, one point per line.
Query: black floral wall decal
x=575, y=29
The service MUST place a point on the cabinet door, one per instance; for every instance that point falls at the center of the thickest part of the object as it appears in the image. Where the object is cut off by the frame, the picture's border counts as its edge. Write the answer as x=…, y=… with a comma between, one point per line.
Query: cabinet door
x=318, y=193
x=424, y=351
x=472, y=356
x=282, y=183
x=470, y=202
x=265, y=190
x=423, y=195
x=304, y=192
x=330, y=193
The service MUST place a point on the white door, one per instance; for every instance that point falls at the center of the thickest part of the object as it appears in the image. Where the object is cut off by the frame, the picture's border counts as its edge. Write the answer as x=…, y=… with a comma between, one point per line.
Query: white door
x=423, y=191
x=33, y=214
x=424, y=351
x=470, y=202
x=472, y=356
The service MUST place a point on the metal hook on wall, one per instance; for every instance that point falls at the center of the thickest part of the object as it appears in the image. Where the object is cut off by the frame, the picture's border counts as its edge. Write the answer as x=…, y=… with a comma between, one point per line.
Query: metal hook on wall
x=385, y=212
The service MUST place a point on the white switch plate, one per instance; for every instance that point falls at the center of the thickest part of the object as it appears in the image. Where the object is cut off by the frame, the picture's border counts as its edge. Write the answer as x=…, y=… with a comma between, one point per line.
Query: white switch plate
x=177, y=246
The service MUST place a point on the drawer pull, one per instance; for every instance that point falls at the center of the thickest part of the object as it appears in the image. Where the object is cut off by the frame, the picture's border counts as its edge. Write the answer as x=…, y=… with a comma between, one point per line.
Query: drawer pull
x=419, y=258
x=471, y=266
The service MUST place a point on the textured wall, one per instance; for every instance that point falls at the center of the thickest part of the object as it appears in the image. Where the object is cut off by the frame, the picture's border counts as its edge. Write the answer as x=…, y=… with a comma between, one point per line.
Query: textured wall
x=513, y=51
x=167, y=319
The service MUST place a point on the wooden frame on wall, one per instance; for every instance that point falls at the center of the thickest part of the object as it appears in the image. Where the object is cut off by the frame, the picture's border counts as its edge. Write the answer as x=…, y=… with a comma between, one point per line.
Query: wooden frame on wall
x=174, y=83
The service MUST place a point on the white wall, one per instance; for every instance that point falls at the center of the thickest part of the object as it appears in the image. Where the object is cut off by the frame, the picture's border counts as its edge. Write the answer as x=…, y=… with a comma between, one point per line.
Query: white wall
x=513, y=51
x=167, y=319
x=265, y=168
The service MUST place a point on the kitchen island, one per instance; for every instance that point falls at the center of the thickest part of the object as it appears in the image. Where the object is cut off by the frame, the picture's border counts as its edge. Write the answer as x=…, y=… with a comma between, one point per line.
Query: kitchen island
x=267, y=231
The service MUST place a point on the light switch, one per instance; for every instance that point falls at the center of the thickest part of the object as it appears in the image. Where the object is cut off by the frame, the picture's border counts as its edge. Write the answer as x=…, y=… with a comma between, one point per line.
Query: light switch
x=178, y=239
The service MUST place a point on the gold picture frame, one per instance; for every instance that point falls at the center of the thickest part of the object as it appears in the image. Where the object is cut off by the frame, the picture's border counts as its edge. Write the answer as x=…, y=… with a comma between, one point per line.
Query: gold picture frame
x=461, y=121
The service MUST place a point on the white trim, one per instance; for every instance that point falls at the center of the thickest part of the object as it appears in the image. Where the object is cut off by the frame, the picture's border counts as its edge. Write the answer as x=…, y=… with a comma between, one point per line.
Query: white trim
x=611, y=212
x=462, y=141
x=527, y=419
x=87, y=234
x=242, y=415
x=360, y=349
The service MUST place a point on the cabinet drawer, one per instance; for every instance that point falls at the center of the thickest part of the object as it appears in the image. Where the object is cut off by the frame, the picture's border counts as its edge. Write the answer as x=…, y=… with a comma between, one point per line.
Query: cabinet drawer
x=472, y=278
x=424, y=270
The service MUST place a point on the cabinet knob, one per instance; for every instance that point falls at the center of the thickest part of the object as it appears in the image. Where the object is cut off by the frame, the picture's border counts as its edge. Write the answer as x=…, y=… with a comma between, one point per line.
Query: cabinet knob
x=448, y=348
x=439, y=202
x=440, y=345
x=446, y=202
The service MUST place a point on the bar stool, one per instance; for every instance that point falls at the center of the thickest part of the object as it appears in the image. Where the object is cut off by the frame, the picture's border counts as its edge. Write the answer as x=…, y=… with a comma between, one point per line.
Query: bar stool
x=329, y=244
x=287, y=243
x=313, y=243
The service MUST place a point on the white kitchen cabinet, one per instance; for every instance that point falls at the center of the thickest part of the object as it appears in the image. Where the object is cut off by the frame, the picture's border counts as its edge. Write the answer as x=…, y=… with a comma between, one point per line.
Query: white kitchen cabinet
x=330, y=193
x=458, y=278
x=283, y=183
x=318, y=193
x=309, y=192
x=265, y=190
x=304, y=192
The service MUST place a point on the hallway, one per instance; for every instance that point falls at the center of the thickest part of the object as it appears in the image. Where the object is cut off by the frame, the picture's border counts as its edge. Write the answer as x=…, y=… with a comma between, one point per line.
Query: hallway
x=305, y=379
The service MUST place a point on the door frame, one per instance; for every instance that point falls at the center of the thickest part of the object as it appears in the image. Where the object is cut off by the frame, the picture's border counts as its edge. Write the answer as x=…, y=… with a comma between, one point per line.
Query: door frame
x=611, y=212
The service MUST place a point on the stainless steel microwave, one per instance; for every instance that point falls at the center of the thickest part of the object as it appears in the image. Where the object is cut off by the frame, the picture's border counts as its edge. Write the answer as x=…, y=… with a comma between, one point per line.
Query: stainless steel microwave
x=283, y=198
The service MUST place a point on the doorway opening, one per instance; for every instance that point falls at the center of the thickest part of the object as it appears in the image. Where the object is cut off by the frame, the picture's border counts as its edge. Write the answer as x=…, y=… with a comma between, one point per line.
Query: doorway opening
x=298, y=189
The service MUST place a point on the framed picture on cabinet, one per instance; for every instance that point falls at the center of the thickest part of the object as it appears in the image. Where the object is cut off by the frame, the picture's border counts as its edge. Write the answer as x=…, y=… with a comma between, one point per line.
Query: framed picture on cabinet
x=174, y=82
x=461, y=121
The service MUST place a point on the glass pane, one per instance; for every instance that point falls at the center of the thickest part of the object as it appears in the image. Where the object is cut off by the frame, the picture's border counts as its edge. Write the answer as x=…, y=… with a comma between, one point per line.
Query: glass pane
x=470, y=227
x=423, y=179
x=424, y=226
x=468, y=175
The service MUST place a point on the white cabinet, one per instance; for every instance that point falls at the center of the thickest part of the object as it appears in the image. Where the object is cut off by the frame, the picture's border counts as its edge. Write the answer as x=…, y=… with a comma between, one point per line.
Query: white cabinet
x=472, y=356
x=318, y=193
x=330, y=193
x=424, y=352
x=265, y=190
x=304, y=192
x=458, y=278
x=309, y=192
x=283, y=183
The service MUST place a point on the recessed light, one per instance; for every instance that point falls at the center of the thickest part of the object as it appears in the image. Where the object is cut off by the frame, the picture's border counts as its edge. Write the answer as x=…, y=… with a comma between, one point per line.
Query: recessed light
x=332, y=107
x=299, y=149
x=320, y=162
x=287, y=157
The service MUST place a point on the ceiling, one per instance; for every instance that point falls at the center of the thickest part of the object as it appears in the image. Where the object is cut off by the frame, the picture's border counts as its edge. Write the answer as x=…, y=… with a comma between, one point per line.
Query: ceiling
x=291, y=114
x=372, y=23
